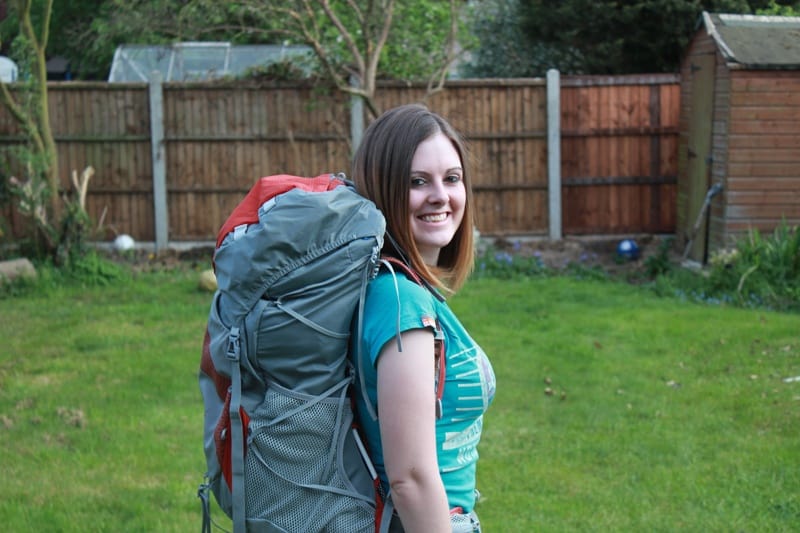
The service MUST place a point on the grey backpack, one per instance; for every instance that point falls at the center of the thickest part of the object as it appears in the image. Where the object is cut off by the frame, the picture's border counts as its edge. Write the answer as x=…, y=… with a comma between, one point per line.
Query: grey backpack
x=283, y=455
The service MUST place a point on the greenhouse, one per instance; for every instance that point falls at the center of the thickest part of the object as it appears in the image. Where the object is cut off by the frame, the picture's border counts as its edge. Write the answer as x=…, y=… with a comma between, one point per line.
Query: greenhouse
x=196, y=61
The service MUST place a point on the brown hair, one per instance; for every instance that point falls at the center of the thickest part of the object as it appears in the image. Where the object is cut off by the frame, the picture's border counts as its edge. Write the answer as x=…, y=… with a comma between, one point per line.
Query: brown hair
x=382, y=172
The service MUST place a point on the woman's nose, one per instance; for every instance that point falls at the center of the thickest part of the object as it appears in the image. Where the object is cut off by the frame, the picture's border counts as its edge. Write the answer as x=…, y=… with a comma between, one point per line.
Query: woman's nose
x=438, y=192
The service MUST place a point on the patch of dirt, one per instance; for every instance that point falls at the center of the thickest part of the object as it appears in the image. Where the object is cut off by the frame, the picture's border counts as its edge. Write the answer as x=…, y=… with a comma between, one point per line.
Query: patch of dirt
x=143, y=260
x=587, y=251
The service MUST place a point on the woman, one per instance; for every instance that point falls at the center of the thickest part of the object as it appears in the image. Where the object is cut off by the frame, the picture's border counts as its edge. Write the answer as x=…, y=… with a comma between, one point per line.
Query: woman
x=412, y=165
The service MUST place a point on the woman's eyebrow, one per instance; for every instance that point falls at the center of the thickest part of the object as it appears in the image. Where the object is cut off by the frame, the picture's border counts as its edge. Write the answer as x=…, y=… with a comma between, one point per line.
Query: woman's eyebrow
x=425, y=172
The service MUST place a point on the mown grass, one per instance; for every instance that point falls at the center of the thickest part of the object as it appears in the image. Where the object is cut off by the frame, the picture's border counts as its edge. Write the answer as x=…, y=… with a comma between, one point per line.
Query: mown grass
x=661, y=416
x=616, y=410
x=100, y=407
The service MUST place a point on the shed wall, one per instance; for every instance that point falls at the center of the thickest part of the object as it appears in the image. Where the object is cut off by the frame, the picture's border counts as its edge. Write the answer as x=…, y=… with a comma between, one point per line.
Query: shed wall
x=686, y=202
x=763, y=165
x=755, y=149
x=719, y=153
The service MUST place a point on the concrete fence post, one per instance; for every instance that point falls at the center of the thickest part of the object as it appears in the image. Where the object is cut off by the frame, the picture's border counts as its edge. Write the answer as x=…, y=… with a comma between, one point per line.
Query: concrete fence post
x=356, y=118
x=554, y=153
x=157, y=150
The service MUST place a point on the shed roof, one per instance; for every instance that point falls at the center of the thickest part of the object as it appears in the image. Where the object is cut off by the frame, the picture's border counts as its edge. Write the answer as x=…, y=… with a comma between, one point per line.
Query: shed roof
x=756, y=42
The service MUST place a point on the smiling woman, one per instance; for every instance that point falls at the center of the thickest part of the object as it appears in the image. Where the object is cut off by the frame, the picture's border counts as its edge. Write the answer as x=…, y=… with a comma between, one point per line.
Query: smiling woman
x=411, y=164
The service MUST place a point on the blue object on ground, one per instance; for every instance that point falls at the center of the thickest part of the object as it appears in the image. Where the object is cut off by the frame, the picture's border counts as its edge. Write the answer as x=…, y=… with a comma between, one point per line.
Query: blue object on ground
x=628, y=249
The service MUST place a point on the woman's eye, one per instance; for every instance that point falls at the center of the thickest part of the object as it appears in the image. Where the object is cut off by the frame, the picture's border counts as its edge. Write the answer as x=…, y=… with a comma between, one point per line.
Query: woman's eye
x=417, y=182
x=453, y=178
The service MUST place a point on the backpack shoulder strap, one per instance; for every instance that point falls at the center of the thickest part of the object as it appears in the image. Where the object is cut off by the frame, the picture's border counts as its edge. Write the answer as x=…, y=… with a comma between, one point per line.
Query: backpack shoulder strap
x=391, y=262
x=438, y=335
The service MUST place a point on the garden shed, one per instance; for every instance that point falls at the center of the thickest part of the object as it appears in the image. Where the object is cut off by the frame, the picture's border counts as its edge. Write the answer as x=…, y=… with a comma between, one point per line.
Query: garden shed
x=739, y=130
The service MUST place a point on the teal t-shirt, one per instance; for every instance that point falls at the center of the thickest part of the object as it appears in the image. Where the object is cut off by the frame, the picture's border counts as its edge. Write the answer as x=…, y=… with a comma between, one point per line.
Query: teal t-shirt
x=469, y=380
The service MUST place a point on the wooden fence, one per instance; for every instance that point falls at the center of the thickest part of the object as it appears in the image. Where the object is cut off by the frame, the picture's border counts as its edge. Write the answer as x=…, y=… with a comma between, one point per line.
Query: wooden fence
x=618, y=148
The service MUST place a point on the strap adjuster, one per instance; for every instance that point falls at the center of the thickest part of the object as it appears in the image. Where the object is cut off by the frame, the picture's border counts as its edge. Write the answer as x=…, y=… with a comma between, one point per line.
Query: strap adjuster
x=234, y=349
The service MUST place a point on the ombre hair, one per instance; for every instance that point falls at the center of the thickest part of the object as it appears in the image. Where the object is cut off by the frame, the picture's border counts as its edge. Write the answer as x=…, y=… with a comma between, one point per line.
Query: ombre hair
x=382, y=173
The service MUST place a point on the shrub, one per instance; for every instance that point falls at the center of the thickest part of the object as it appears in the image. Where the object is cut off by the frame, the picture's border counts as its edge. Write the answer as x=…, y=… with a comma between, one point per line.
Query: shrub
x=759, y=271
x=659, y=263
x=91, y=269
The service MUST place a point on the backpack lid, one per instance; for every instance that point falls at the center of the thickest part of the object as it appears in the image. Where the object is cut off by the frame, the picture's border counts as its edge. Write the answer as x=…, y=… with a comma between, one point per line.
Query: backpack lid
x=269, y=187
x=277, y=253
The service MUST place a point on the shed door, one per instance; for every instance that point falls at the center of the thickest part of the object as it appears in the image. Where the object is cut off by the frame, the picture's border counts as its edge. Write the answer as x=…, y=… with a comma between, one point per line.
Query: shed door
x=699, y=146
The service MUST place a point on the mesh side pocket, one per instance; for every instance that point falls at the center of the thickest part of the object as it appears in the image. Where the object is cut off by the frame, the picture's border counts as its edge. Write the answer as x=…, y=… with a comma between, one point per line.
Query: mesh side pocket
x=287, y=459
x=465, y=523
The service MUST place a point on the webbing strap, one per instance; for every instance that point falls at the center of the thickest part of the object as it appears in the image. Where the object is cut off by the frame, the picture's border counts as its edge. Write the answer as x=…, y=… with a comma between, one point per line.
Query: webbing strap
x=386, y=515
x=389, y=266
x=237, y=434
x=202, y=493
x=358, y=347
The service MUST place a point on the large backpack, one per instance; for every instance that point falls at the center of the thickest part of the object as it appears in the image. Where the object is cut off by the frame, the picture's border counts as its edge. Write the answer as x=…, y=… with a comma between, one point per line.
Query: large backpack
x=292, y=263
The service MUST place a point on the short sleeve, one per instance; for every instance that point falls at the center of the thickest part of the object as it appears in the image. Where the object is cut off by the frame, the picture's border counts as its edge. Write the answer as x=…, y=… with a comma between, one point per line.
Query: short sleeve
x=415, y=307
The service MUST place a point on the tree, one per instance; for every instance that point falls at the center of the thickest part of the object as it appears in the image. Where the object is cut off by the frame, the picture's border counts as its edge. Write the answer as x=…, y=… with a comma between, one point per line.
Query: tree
x=68, y=20
x=783, y=9
x=30, y=109
x=502, y=49
x=58, y=222
x=350, y=40
x=606, y=36
x=355, y=42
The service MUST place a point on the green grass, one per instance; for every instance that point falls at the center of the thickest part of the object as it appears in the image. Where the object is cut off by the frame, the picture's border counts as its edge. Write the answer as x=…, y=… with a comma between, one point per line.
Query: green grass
x=662, y=415
x=101, y=414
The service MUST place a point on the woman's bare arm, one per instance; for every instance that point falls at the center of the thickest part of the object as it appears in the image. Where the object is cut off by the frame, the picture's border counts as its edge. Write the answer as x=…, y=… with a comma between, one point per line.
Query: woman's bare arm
x=407, y=416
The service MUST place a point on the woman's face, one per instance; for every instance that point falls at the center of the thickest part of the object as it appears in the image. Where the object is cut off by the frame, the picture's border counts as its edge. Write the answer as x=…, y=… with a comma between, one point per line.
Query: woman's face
x=437, y=196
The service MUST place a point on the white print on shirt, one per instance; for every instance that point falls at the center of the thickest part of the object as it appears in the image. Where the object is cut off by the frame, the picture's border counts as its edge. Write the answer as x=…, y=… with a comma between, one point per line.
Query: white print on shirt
x=470, y=375
x=466, y=442
x=475, y=382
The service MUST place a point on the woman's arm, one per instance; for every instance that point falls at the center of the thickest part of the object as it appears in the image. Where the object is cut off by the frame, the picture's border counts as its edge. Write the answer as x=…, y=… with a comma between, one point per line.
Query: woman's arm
x=407, y=417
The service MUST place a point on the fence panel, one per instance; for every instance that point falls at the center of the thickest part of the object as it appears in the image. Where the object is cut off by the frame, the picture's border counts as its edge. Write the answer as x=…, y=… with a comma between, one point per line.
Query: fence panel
x=619, y=153
x=221, y=138
x=106, y=126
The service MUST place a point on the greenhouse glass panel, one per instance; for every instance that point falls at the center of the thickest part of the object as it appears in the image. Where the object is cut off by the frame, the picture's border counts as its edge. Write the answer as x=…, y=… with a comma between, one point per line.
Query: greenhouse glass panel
x=196, y=61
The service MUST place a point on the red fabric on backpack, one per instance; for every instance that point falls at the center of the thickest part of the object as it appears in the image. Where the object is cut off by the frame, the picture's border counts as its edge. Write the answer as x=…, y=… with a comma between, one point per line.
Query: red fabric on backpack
x=221, y=383
x=269, y=187
x=223, y=440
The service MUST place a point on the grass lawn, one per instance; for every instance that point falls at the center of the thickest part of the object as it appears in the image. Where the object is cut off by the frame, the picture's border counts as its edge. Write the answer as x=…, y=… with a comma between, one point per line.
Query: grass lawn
x=616, y=410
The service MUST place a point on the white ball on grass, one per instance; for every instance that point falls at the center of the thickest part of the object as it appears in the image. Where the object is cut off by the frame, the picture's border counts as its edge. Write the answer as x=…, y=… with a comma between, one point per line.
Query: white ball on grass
x=123, y=243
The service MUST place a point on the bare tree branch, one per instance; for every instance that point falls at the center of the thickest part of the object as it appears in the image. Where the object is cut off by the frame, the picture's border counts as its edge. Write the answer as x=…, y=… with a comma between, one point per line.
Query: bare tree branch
x=372, y=70
x=437, y=80
x=346, y=35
